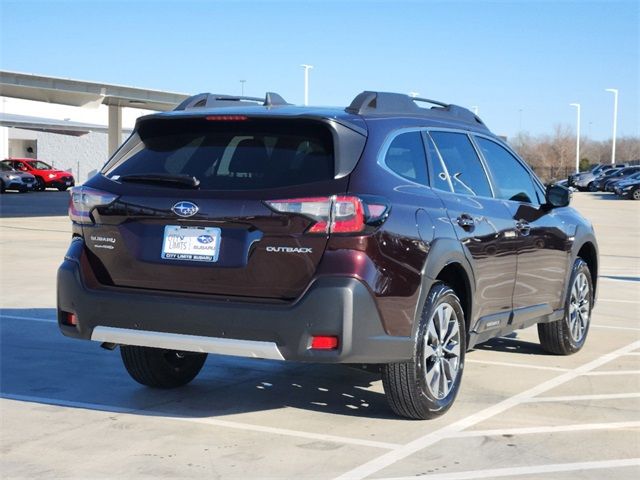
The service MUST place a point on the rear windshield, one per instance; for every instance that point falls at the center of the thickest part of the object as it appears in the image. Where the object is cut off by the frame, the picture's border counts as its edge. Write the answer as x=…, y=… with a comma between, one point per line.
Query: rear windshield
x=229, y=155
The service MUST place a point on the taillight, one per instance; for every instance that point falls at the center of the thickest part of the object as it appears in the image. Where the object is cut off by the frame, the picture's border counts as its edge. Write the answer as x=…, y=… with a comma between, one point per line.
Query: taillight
x=85, y=199
x=336, y=214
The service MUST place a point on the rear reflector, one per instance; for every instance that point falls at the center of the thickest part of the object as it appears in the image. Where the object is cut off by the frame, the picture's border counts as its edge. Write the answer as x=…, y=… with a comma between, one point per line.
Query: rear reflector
x=324, y=342
x=69, y=319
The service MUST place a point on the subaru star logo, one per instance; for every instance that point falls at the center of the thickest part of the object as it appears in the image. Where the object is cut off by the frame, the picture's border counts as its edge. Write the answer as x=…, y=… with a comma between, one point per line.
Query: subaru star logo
x=185, y=209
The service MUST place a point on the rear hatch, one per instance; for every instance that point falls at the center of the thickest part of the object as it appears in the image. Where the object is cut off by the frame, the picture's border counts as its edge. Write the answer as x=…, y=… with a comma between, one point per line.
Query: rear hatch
x=195, y=205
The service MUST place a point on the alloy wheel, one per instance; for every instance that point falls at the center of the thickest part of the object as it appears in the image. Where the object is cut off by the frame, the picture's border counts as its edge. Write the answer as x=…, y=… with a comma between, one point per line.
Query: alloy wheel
x=579, y=307
x=636, y=194
x=442, y=351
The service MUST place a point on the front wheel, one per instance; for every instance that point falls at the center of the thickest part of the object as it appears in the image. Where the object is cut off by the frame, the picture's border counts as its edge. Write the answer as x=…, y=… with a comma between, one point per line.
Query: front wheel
x=62, y=189
x=592, y=187
x=2, y=187
x=635, y=195
x=160, y=368
x=40, y=185
x=426, y=386
x=567, y=335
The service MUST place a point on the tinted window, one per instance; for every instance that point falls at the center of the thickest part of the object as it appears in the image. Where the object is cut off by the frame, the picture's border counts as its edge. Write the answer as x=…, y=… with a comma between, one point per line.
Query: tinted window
x=406, y=157
x=5, y=168
x=240, y=155
x=439, y=180
x=38, y=165
x=464, y=167
x=512, y=180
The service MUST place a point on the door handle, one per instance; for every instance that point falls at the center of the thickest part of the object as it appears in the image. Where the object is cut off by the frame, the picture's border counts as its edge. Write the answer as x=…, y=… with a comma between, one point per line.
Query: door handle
x=523, y=227
x=466, y=221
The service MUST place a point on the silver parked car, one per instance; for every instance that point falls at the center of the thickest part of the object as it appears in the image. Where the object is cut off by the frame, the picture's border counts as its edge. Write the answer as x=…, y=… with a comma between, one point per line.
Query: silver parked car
x=11, y=179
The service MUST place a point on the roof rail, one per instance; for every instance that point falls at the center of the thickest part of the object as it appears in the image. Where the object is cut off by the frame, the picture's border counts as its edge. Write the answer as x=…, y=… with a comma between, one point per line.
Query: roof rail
x=399, y=103
x=214, y=100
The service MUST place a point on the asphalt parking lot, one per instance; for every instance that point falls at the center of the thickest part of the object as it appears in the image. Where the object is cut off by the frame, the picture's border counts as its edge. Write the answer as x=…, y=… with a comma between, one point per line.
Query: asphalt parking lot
x=68, y=409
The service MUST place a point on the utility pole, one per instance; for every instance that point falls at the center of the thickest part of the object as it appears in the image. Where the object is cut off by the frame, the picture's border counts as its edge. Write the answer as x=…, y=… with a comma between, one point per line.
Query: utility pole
x=242, y=82
x=306, y=82
x=577, y=105
x=615, y=122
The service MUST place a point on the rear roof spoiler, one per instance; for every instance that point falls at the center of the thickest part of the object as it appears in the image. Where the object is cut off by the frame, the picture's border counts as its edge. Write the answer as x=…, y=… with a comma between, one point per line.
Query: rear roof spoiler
x=214, y=100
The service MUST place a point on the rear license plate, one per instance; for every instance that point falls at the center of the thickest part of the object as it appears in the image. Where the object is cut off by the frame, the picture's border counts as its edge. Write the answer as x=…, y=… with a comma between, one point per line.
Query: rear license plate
x=195, y=244
x=68, y=183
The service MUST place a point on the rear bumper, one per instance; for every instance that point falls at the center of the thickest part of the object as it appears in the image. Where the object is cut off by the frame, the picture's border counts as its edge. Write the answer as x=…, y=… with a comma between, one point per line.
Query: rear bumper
x=340, y=306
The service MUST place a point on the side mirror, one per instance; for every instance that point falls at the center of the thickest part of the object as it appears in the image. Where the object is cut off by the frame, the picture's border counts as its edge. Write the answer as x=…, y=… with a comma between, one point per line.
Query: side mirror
x=558, y=196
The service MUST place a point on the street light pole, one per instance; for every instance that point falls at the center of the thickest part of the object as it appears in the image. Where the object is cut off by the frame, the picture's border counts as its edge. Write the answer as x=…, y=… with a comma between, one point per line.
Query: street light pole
x=615, y=122
x=242, y=82
x=306, y=82
x=577, y=105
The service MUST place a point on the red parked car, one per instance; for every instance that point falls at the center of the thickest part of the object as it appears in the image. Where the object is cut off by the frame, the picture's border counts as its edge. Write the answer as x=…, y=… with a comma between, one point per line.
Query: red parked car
x=46, y=175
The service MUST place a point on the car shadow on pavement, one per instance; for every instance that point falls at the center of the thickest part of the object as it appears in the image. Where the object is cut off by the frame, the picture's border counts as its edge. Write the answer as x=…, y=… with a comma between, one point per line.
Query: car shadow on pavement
x=605, y=196
x=34, y=204
x=38, y=364
x=511, y=344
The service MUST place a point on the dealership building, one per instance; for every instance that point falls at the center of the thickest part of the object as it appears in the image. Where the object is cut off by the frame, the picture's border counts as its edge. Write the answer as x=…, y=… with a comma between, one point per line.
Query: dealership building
x=71, y=124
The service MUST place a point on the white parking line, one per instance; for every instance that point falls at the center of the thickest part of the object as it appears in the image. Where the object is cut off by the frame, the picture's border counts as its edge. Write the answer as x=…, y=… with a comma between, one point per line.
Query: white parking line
x=614, y=327
x=389, y=458
x=141, y=412
x=615, y=300
x=547, y=429
x=582, y=398
x=529, y=470
x=31, y=319
x=606, y=373
x=521, y=365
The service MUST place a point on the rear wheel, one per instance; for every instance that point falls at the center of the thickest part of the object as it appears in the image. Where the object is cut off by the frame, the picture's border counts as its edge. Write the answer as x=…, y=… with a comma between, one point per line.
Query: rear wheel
x=567, y=335
x=635, y=195
x=62, y=189
x=2, y=187
x=426, y=386
x=160, y=368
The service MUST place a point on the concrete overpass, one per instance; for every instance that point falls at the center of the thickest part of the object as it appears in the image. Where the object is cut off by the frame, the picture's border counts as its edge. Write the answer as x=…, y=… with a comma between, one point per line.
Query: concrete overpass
x=79, y=93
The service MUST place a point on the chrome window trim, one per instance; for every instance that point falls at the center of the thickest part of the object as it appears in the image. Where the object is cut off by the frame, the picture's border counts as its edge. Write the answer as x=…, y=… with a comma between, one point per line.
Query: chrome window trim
x=468, y=134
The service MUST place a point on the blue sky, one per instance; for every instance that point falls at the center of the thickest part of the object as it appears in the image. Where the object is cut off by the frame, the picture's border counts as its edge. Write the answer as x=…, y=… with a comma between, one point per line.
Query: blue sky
x=520, y=62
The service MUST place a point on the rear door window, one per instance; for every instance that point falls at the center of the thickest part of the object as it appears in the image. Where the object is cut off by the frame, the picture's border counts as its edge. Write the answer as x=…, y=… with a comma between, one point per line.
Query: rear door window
x=463, y=165
x=229, y=155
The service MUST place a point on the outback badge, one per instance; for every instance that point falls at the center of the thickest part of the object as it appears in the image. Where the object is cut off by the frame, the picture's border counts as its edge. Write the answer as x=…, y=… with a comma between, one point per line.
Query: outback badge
x=185, y=209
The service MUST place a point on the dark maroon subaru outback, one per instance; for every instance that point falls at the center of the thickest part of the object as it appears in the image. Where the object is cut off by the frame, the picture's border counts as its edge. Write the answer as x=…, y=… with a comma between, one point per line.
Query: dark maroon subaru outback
x=381, y=234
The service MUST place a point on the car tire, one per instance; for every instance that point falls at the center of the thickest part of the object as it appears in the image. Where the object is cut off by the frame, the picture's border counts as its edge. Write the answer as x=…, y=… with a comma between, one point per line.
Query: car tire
x=160, y=368
x=426, y=386
x=568, y=335
x=591, y=187
x=62, y=189
x=40, y=185
x=635, y=194
x=2, y=187
x=23, y=189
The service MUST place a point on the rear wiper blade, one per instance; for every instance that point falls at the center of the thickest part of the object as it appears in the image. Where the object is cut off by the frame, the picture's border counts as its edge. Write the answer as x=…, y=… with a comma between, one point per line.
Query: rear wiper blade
x=175, y=180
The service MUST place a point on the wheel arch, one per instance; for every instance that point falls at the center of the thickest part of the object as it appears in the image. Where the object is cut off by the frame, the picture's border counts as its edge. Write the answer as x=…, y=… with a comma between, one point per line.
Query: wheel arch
x=446, y=262
x=589, y=254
